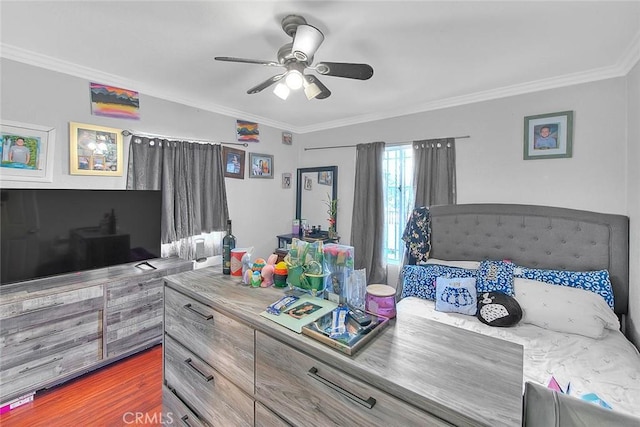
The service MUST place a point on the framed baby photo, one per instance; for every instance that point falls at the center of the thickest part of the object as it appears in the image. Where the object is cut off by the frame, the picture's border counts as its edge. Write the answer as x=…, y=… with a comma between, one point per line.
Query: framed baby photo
x=27, y=152
x=233, y=162
x=548, y=136
x=261, y=165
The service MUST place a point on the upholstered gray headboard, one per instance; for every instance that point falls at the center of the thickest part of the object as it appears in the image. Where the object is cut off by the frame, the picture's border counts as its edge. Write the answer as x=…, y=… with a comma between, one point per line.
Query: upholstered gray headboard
x=537, y=237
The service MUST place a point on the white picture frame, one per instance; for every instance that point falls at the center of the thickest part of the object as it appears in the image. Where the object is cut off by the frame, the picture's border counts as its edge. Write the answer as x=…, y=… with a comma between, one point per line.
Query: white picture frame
x=41, y=143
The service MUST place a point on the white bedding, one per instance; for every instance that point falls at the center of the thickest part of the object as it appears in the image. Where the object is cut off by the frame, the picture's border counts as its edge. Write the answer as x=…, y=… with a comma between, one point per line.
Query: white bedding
x=608, y=367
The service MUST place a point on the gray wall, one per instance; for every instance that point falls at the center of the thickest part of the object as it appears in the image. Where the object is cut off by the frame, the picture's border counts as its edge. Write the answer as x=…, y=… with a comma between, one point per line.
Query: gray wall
x=490, y=164
x=633, y=198
x=260, y=208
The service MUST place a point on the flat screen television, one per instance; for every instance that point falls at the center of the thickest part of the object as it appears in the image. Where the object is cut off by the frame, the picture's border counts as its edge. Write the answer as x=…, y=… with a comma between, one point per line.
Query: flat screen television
x=46, y=232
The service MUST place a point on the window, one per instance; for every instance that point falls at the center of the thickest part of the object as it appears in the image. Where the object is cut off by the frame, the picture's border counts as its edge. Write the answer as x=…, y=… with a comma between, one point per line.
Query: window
x=398, y=183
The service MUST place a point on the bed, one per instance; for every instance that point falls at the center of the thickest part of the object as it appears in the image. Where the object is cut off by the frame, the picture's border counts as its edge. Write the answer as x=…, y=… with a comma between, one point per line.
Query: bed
x=580, y=346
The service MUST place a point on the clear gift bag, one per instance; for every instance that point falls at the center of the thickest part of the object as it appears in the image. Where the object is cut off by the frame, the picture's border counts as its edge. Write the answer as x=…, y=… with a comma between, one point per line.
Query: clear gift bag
x=357, y=288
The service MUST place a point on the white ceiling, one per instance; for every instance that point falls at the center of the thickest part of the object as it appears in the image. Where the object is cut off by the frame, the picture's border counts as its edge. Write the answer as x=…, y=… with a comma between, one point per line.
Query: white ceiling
x=426, y=54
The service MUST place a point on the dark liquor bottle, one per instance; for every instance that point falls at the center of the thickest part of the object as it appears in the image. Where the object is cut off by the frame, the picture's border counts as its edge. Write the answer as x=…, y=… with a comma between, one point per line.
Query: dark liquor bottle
x=228, y=243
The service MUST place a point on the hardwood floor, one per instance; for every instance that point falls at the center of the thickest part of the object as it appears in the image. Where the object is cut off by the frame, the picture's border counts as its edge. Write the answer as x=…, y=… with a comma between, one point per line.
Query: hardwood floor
x=126, y=393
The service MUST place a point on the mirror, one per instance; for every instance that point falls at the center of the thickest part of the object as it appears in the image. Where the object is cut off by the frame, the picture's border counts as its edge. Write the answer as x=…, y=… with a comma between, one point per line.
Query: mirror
x=314, y=187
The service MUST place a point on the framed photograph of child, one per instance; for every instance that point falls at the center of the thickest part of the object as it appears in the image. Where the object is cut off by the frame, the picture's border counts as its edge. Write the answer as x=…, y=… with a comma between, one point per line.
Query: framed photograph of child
x=548, y=136
x=233, y=162
x=26, y=152
x=261, y=165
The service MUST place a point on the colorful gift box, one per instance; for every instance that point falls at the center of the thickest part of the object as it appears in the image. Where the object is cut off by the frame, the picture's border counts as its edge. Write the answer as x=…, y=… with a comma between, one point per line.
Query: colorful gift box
x=304, y=264
x=338, y=265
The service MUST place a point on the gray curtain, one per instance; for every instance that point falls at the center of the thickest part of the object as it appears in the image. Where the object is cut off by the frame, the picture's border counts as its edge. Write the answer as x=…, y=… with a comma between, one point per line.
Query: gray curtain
x=434, y=176
x=191, y=177
x=367, y=223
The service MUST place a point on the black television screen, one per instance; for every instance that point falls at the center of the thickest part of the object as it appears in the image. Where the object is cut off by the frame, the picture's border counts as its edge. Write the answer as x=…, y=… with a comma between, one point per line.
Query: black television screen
x=45, y=232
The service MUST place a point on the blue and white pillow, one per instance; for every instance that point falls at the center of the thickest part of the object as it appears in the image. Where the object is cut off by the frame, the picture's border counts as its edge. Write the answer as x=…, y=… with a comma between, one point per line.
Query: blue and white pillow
x=420, y=280
x=456, y=295
x=595, y=281
x=495, y=276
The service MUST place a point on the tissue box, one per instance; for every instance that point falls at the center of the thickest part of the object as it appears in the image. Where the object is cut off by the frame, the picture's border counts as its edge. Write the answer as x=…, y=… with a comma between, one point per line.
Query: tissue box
x=338, y=265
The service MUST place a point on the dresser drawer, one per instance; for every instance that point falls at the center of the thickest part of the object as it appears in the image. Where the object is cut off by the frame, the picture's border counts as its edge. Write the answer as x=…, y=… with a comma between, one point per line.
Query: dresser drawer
x=43, y=341
x=225, y=344
x=266, y=418
x=306, y=391
x=175, y=412
x=34, y=374
x=47, y=308
x=137, y=323
x=131, y=291
x=211, y=396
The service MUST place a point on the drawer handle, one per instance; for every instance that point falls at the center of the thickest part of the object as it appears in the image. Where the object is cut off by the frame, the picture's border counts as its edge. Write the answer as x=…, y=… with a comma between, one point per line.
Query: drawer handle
x=55, y=331
x=202, y=374
x=33, y=310
x=204, y=316
x=30, y=368
x=313, y=373
x=184, y=420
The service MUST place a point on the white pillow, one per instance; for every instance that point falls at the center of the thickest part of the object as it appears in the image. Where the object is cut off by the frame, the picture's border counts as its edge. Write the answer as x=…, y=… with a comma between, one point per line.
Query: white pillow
x=469, y=265
x=564, y=309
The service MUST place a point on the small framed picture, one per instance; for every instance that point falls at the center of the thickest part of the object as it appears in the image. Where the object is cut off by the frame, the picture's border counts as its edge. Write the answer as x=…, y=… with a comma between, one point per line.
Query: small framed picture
x=286, y=180
x=548, y=136
x=26, y=152
x=325, y=177
x=95, y=150
x=287, y=138
x=261, y=165
x=233, y=162
x=247, y=131
x=308, y=183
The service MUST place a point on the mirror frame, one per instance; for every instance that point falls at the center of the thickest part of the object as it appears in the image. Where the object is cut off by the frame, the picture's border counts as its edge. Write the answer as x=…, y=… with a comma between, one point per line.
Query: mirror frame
x=299, y=185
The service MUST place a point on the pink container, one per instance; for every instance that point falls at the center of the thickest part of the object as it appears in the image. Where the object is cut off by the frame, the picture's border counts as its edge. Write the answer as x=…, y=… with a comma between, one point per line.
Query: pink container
x=381, y=300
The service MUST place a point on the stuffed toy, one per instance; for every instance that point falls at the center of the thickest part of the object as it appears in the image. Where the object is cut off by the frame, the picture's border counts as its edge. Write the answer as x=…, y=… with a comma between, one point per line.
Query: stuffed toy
x=267, y=275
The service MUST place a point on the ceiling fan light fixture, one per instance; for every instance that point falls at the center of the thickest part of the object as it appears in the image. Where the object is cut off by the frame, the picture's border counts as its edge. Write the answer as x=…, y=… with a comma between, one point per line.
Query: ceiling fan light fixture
x=306, y=41
x=311, y=91
x=294, y=79
x=282, y=91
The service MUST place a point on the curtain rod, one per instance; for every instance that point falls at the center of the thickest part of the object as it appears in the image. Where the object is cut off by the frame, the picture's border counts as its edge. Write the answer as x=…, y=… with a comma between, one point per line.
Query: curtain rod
x=128, y=132
x=390, y=143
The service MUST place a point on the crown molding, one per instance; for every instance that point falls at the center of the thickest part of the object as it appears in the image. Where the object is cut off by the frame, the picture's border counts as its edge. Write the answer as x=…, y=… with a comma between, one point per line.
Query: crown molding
x=54, y=64
x=621, y=68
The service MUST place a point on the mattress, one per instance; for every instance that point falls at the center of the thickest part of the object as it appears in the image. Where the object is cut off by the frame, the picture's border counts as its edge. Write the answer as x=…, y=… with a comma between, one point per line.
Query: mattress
x=608, y=367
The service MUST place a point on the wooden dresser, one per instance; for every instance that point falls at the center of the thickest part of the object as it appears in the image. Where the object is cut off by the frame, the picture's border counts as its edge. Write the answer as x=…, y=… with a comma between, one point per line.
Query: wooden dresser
x=224, y=364
x=56, y=328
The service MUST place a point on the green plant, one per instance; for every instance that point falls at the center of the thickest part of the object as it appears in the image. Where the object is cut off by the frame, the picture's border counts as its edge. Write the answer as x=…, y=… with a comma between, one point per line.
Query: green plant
x=332, y=204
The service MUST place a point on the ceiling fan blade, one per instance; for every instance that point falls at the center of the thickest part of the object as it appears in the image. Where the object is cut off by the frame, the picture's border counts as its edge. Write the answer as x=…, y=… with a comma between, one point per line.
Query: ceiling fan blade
x=248, y=61
x=322, y=91
x=345, y=69
x=265, y=84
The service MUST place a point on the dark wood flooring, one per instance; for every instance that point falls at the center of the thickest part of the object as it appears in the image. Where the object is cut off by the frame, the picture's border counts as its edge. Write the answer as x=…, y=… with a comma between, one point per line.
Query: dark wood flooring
x=126, y=393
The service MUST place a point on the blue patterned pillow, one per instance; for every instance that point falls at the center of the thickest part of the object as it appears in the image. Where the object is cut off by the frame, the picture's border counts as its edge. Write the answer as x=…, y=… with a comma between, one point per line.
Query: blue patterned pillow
x=595, y=281
x=456, y=295
x=420, y=280
x=495, y=276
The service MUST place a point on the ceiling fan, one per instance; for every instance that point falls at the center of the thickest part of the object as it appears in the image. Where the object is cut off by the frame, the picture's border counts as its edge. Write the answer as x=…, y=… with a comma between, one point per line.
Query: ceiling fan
x=297, y=57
